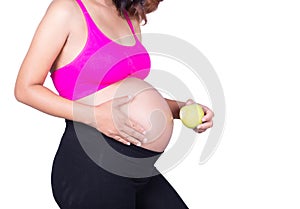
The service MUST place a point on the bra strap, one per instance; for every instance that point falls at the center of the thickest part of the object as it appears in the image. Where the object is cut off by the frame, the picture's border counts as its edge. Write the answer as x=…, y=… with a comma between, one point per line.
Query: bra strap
x=90, y=23
x=129, y=22
x=81, y=5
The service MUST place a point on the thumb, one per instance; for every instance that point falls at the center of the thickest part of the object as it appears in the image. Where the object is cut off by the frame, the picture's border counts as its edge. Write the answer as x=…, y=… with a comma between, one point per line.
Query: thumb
x=189, y=101
x=122, y=100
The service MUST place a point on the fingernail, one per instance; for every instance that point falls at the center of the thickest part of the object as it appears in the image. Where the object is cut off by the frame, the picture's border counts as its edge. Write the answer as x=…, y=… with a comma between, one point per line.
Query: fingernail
x=203, y=119
x=145, y=140
x=128, y=143
x=138, y=144
x=144, y=132
x=199, y=126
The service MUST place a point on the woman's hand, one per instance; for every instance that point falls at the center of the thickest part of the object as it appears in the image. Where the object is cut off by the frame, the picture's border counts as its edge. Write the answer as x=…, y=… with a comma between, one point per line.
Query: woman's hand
x=206, y=120
x=113, y=122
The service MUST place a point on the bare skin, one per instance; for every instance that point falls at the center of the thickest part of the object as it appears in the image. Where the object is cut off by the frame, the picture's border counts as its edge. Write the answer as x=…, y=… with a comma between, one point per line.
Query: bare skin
x=59, y=38
x=147, y=107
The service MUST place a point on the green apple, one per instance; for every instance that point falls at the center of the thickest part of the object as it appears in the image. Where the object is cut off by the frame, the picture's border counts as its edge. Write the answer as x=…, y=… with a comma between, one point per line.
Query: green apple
x=191, y=115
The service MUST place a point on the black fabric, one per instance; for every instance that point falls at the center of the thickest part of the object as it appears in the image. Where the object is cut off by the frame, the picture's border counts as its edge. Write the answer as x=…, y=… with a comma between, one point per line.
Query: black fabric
x=78, y=182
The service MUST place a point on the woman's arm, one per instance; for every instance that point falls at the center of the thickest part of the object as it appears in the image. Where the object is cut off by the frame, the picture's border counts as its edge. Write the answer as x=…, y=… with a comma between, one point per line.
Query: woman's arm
x=49, y=39
x=175, y=107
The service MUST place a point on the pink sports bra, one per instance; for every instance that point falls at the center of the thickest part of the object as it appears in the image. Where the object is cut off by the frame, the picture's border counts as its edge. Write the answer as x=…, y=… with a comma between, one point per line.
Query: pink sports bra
x=101, y=63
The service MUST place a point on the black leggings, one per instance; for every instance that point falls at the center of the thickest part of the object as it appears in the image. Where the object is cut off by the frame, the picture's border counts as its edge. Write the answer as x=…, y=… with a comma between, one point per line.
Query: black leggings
x=78, y=182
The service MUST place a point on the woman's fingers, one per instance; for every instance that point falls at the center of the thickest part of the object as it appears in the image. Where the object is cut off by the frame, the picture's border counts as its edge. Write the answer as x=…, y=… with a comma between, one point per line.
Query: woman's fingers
x=203, y=127
x=136, y=126
x=129, y=138
x=119, y=139
x=131, y=128
x=208, y=114
x=134, y=133
x=126, y=139
x=126, y=130
x=207, y=121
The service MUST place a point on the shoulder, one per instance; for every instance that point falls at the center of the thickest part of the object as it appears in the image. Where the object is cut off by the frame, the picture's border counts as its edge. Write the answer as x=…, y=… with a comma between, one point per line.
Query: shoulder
x=62, y=8
x=61, y=15
x=57, y=21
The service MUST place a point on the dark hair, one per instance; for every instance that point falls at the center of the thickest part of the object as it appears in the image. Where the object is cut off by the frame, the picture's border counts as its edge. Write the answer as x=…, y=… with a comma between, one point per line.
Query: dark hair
x=136, y=8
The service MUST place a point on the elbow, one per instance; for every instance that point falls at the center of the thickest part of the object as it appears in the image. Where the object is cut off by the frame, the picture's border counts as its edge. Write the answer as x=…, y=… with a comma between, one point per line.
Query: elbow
x=20, y=93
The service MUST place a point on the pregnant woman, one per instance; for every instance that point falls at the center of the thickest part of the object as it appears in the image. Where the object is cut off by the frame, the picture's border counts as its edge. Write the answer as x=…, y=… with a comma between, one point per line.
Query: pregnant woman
x=117, y=125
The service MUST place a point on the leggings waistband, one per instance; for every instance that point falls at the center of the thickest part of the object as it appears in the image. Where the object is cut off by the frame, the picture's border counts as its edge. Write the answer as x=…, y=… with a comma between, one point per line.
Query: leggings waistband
x=111, y=155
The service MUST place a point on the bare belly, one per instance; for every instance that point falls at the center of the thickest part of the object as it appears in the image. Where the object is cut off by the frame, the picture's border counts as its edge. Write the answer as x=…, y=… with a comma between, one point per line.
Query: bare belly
x=147, y=107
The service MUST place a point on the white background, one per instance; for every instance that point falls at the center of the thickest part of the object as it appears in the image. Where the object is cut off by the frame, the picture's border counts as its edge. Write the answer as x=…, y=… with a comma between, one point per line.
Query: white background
x=254, y=47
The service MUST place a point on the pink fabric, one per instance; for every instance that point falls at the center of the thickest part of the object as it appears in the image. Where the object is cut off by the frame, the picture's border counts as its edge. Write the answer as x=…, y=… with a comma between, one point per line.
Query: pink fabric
x=101, y=63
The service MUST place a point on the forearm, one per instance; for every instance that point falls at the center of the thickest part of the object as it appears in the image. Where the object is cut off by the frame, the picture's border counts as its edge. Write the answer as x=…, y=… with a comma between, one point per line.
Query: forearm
x=43, y=99
x=175, y=107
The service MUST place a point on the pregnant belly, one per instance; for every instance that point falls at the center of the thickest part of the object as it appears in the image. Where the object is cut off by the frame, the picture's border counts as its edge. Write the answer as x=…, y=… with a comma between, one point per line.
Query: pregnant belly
x=147, y=107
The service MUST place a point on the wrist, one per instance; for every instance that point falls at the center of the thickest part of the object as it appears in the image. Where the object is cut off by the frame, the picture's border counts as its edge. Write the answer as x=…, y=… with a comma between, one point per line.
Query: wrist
x=84, y=113
x=175, y=107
